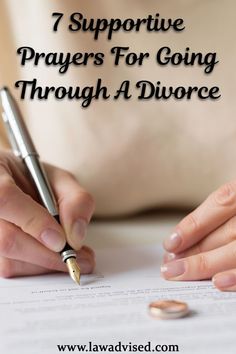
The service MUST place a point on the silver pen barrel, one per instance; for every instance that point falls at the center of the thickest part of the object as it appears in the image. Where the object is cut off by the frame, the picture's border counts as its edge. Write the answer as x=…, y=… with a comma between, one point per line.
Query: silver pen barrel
x=40, y=179
x=16, y=123
x=23, y=146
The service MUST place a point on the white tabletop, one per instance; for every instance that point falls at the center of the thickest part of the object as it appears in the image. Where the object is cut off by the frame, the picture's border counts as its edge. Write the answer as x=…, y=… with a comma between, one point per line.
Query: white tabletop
x=144, y=228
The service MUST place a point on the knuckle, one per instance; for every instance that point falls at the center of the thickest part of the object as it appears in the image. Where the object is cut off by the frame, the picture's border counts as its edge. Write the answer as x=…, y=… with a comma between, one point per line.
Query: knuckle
x=92, y=256
x=85, y=198
x=5, y=159
x=199, y=248
x=37, y=221
x=70, y=175
x=6, y=268
x=7, y=240
x=92, y=264
x=230, y=230
x=7, y=188
x=203, y=265
x=225, y=195
x=6, y=182
x=89, y=250
x=191, y=222
x=31, y=224
x=233, y=249
x=93, y=253
x=53, y=263
x=88, y=261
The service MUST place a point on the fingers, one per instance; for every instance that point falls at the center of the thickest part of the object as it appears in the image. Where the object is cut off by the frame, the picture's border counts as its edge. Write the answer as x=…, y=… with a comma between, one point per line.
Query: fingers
x=10, y=268
x=225, y=281
x=225, y=234
x=21, y=210
x=213, y=212
x=75, y=205
x=21, y=217
x=201, y=266
x=18, y=206
x=16, y=245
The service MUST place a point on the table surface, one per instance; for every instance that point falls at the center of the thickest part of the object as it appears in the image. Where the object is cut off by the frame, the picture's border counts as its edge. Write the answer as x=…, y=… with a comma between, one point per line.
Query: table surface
x=145, y=228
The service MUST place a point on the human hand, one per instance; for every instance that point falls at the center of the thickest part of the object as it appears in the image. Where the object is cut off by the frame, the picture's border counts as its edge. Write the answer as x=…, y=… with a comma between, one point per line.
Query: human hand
x=30, y=238
x=203, y=245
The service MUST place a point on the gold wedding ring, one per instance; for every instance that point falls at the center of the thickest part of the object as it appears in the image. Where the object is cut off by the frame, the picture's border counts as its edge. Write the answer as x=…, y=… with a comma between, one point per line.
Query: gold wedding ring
x=168, y=309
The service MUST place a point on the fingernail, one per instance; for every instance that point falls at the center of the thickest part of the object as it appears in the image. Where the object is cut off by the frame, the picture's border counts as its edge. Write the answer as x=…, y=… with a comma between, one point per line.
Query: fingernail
x=173, y=269
x=168, y=257
x=78, y=232
x=172, y=242
x=53, y=240
x=225, y=280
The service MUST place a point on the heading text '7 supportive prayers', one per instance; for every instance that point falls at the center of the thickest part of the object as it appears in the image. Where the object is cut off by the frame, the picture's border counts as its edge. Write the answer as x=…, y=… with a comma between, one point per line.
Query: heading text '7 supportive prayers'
x=120, y=55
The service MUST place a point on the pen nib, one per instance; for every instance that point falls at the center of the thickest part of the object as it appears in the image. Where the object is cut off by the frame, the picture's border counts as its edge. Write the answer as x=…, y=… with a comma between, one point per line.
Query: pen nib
x=73, y=269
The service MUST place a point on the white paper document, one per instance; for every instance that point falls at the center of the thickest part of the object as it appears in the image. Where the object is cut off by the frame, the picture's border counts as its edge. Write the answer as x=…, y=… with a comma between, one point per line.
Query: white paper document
x=38, y=314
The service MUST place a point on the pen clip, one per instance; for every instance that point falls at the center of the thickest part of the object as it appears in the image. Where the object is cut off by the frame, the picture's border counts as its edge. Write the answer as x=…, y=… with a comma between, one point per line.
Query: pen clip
x=10, y=135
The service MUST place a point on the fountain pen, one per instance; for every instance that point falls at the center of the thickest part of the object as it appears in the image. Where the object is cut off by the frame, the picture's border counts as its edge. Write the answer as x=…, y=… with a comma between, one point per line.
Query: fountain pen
x=23, y=147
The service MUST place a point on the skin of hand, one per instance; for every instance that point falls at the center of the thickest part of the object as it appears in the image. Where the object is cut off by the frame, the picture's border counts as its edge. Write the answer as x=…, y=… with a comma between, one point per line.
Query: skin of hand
x=203, y=244
x=30, y=238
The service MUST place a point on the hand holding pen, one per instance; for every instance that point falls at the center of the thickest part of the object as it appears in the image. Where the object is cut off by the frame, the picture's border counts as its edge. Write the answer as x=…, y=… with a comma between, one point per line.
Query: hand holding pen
x=29, y=235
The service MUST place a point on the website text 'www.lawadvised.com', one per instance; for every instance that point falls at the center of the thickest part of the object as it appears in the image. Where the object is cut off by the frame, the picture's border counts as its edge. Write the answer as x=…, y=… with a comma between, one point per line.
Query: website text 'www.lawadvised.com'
x=118, y=348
